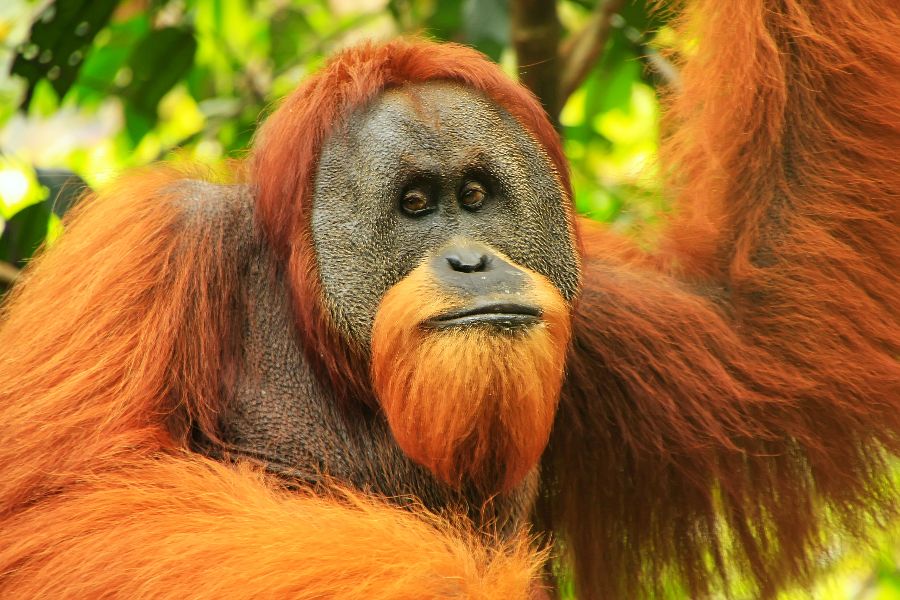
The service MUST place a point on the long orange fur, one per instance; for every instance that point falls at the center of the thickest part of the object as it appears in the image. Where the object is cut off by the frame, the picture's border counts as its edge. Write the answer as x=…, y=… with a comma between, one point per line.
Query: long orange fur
x=734, y=393
x=722, y=391
x=117, y=341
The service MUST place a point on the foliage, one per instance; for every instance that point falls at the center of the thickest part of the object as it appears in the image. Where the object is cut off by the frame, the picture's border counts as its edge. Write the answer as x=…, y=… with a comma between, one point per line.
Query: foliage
x=89, y=88
x=98, y=87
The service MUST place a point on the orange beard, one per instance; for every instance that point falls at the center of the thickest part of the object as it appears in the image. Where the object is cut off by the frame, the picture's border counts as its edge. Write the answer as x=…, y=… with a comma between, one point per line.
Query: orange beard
x=470, y=404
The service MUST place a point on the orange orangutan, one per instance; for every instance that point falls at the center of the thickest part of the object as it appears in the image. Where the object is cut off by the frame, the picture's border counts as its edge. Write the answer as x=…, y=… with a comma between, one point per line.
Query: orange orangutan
x=380, y=363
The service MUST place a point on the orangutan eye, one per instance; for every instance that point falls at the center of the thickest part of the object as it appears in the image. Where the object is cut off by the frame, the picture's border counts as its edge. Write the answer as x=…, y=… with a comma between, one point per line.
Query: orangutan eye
x=472, y=195
x=415, y=202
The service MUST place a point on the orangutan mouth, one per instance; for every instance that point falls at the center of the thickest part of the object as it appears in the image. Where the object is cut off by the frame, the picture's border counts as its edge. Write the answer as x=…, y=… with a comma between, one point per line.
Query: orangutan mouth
x=500, y=314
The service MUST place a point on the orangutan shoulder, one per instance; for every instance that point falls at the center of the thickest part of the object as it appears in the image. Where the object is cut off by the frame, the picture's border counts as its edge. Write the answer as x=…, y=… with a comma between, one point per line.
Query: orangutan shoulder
x=204, y=205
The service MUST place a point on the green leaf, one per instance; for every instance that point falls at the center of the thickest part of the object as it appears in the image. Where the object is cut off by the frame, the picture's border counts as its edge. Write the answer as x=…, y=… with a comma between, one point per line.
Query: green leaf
x=24, y=233
x=287, y=27
x=394, y=9
x=446, y=22
x=159, y=61
x=110, y=52
x=619, y=84
x=137, y=123
x=646, y=15
x=486, y=25
x=58, y=42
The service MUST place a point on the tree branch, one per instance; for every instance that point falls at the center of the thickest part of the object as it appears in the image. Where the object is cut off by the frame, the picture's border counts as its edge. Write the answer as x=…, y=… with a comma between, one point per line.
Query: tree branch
x=8, y=273
x=660, y=66
x=583, y=49
x=536, y=32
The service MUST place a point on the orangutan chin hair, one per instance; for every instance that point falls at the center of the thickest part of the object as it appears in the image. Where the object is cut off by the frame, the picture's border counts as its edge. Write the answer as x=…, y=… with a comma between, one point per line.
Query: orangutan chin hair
x=471, y=404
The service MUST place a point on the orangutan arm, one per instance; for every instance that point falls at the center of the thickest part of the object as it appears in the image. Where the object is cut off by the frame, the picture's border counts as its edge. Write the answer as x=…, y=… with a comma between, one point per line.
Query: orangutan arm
x=189, y=528
x=727, y=389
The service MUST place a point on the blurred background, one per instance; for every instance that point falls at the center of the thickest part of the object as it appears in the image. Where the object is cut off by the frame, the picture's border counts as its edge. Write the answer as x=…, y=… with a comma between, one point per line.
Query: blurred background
x=89, y=88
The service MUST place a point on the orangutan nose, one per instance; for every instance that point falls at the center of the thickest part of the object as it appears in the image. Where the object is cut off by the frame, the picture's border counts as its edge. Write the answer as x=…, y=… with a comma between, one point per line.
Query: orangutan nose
x=474, y=269
x=467, y=260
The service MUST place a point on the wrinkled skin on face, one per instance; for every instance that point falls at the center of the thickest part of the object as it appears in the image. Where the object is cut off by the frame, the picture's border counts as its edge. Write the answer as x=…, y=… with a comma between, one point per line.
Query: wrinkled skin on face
x=431, y=142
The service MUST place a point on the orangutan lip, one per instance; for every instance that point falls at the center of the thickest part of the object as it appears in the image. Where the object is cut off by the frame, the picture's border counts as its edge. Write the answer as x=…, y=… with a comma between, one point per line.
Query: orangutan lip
x=503, y=314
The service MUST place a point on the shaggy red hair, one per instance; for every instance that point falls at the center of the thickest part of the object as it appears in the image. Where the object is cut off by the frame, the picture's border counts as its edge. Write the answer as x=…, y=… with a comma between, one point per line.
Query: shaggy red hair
x=471, y=405
x=294, y=136
x=120, y=339
x=726, y=396
x=733, y=393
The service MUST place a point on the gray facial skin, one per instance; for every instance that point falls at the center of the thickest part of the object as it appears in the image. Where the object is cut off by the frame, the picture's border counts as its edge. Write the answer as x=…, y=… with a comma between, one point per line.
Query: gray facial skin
x=432, y=138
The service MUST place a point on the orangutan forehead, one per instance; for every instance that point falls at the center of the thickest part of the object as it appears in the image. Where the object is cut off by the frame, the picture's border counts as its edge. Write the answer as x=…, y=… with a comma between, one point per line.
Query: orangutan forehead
x=438, y=105
x=441, y=119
